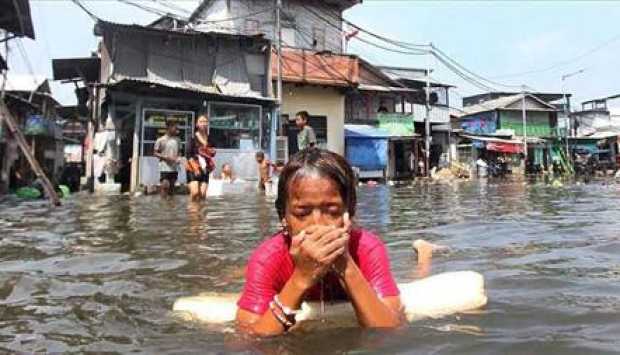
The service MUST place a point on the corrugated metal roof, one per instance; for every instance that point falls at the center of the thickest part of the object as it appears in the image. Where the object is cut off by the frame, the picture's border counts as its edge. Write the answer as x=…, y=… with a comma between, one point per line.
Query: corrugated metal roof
x=397, y=73
x=309, y=66
x=191, y=87
x=366, y=87
x=504, y=102
x=100, y=25
x=413, y=75
x=24, y=82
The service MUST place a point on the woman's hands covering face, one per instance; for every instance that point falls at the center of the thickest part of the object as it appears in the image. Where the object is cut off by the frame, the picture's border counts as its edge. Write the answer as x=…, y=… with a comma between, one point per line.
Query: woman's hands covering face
x=316, y=249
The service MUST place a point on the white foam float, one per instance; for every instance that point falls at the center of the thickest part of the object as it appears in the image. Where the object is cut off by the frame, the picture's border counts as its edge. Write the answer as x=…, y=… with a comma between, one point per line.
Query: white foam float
x=432, y=297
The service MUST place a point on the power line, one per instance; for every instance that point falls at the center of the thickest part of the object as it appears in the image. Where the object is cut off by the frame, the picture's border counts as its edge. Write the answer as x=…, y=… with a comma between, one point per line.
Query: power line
x=444, y=61
x=409, y=46
x=153, y=10
x=172, y=6
x=238, y=17
x=87, y=11
x=564, y=62
x=338, y=17
x=437, y=53
x=331, y=24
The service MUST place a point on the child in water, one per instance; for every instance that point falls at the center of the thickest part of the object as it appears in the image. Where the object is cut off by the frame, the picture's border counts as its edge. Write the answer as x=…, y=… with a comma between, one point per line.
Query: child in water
x=319, y=254
x=227, y=173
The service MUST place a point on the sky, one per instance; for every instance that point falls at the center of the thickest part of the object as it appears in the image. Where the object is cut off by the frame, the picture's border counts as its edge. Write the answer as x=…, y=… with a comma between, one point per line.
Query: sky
x=497, y=40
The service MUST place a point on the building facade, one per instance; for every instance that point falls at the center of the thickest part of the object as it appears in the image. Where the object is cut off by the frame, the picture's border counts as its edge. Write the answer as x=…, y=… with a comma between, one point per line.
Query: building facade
x=309, y=24
x=151, y=75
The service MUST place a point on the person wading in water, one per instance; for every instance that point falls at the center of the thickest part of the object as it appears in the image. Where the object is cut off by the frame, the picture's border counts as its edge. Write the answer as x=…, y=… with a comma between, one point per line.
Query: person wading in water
x=201, y=162
x=167, y=150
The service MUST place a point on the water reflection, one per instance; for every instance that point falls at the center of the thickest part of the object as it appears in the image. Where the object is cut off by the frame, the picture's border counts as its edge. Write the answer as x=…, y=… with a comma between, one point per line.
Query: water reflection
x=101, y=273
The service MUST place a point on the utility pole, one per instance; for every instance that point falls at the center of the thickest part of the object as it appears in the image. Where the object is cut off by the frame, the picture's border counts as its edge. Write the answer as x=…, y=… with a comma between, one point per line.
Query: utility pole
x=279, y=48
x=275, y=122
x=567, y=111
x=524, y=114
x=427, y=122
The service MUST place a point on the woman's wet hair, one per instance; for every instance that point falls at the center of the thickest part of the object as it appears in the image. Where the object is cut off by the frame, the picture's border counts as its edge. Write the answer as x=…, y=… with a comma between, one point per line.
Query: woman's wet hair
x=318, y=162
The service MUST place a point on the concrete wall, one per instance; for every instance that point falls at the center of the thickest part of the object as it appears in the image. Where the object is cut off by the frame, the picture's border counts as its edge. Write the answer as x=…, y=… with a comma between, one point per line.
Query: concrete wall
x=318, y=101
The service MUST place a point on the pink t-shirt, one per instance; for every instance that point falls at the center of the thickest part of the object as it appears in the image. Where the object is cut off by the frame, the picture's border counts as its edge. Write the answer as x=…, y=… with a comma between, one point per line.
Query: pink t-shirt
x=270, y=266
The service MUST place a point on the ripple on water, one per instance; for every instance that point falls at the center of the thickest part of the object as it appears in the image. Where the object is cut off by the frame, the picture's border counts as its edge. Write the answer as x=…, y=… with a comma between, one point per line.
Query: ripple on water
x=101, y=273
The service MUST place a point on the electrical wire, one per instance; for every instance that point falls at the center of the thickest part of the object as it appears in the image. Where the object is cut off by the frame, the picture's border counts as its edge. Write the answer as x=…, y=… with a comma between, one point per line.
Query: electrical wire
x=153, y=10
x=337, y=27
x=467, y=77
x=86, y=10
x=237, y=17
x=336, y=15
x=564, y=62
x=171, y=6
x=437, y=52
x=409, y=46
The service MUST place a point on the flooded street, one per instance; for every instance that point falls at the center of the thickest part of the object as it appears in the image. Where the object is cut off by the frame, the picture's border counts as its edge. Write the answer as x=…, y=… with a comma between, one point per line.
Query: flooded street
x=102, y=273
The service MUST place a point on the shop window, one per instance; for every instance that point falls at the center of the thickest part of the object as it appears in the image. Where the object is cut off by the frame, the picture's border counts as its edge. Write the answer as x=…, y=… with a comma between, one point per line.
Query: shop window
x=155, y=126
x=234, y=126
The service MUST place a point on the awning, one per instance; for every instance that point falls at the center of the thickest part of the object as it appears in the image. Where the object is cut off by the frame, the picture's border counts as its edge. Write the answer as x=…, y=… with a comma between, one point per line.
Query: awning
x=16, y=17
x=77, y=68
x=512, y=148
x=381, y=88
x=364, y=131
x=491, y=139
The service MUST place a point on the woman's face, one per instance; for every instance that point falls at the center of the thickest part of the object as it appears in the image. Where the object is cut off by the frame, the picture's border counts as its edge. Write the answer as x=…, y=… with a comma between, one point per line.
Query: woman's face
x=202, y=124
x=313, y=201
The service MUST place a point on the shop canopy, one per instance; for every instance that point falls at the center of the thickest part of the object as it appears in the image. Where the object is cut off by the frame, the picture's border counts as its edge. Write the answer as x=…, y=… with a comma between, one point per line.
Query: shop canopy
x=510, y=146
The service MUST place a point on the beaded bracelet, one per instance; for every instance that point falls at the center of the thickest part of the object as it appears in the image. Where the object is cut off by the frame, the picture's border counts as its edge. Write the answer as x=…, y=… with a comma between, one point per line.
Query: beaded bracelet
x=285, y=323
x=288, y=312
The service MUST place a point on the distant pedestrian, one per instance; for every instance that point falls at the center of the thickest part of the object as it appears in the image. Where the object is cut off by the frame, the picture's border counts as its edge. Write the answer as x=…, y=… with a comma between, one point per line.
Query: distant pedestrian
x=306, y=138
x=264, y=176
x=201, y=163
x=167, y=150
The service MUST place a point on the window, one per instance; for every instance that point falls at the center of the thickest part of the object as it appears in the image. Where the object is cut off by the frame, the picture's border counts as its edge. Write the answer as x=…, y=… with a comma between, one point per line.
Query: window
x=234, y=126
x=288, y=37
x=318, y=38
x=154, y=126
x=251, y=26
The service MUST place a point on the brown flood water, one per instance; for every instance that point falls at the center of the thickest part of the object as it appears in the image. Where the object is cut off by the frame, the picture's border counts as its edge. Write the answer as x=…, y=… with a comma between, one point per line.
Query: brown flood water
x=101, y=273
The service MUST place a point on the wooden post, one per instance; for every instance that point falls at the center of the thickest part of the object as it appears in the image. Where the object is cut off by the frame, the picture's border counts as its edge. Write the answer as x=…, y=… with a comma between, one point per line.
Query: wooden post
x=135, y=156
x=5, y=115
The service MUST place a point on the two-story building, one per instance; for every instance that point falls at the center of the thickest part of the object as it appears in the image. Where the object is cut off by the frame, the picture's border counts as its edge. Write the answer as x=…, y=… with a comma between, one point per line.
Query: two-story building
x=308, y=24
x=316, y=74
x=504, y=126
x=150, y=74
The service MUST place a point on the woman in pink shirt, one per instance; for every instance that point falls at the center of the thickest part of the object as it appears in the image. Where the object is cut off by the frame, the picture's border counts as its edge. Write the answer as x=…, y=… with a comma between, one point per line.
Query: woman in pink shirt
x=318, y=254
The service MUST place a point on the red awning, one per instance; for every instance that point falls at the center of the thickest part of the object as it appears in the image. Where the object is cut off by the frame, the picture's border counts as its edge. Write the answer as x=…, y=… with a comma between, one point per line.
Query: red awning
x=513, y=148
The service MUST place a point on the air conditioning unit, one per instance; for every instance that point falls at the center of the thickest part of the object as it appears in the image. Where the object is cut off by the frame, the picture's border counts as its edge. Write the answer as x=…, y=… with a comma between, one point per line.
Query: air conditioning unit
x=282, y=148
